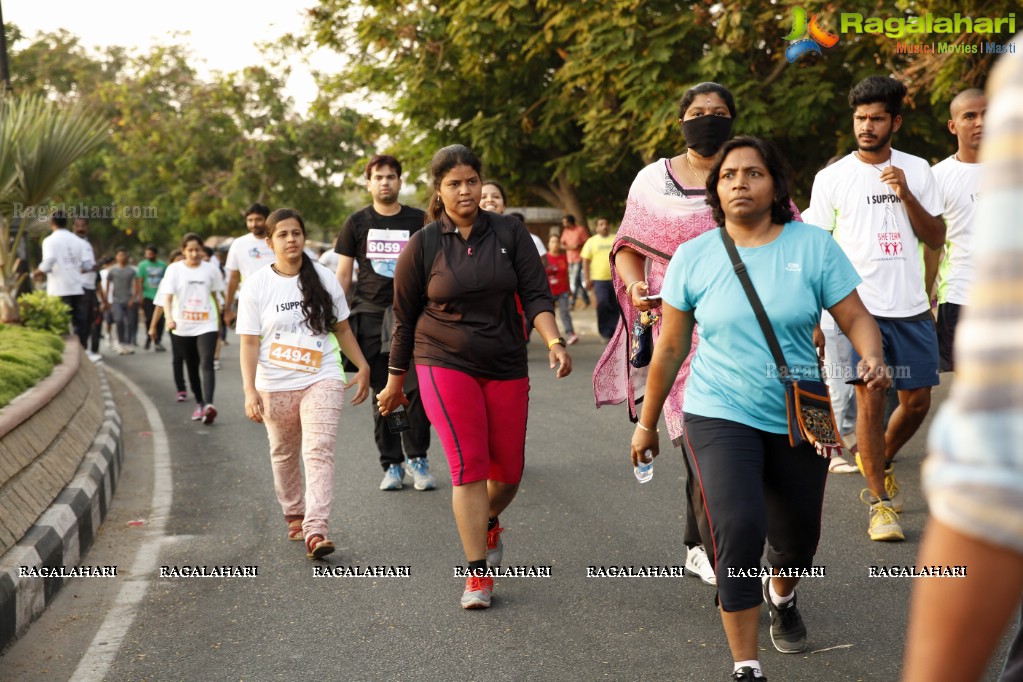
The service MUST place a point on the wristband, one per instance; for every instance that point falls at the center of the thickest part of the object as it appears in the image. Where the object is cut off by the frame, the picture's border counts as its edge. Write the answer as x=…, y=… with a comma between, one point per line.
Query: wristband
x=640, y=425
x=394, y=371
x=628, y=289
x=550, y=344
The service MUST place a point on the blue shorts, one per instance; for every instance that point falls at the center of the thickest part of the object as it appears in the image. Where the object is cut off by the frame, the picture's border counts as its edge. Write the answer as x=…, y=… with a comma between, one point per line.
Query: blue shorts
x=910, y=347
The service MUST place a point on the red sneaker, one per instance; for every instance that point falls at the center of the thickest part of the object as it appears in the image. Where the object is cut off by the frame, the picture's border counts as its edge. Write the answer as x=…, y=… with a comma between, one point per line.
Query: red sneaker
x=477, y=592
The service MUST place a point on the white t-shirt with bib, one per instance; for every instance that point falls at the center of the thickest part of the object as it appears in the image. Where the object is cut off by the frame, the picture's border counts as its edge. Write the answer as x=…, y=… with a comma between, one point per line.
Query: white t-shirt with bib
x=291, y=357
x=192, y=290
x=959, y=184
x=871, y=225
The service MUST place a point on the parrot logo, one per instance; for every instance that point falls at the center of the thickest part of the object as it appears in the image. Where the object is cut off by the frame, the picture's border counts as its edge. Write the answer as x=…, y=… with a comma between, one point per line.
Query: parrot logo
x=819, y=37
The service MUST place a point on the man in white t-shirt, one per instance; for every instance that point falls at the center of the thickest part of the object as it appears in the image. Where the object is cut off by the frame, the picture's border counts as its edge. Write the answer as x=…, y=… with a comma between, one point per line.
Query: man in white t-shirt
x=64, y=261
x=246, y=255
x=958, y=179
x=880, y=204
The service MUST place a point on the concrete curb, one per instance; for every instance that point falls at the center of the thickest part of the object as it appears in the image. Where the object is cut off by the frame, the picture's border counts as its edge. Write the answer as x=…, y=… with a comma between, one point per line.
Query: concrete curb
x=65, y=531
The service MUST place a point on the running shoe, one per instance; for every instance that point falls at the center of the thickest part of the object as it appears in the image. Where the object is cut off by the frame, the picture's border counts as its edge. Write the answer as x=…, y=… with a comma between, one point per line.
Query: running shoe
x=748, y=674
x=495, y=545
x=217, y=365
x=159, y=348
x=393, y=478
x=477, y=592
x=197, y=413
x=209, y=413
x=182, y=396
x=788, y=634
x=94, y=357
x=572, y=338
x=420, y=470
x=698, y=564
x=891, y=486
x=884, y=520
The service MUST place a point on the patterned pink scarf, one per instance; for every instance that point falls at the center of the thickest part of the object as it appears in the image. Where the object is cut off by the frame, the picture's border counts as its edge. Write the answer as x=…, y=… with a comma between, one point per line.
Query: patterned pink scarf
x=658, y=218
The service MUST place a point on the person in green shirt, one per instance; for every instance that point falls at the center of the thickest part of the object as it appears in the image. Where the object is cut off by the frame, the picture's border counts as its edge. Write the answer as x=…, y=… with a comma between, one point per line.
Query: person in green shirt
x=596, y=255
x=149, y=273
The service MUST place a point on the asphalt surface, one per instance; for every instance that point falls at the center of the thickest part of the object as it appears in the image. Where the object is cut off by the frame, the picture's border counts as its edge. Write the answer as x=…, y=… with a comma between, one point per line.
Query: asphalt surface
x=579, y=506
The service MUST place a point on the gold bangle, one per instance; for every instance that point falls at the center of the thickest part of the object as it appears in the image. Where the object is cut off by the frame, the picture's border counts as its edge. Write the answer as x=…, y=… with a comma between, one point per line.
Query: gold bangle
x=640, y=425
x=628, y=289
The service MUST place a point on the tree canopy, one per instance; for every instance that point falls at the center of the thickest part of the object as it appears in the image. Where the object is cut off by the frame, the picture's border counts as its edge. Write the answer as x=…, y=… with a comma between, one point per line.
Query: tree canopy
x=187, y=153
x=565, y=101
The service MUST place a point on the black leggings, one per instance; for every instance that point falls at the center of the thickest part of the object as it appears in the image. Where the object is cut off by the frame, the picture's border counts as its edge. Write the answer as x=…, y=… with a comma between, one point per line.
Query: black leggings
x=755, y=486
x=198, y=350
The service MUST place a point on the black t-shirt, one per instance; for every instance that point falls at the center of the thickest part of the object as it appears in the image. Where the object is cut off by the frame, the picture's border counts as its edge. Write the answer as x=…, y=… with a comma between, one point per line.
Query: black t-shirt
x=374, y=289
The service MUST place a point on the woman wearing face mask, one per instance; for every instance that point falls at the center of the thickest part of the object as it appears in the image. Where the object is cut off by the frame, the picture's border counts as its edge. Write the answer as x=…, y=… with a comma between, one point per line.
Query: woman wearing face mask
x=665, y=208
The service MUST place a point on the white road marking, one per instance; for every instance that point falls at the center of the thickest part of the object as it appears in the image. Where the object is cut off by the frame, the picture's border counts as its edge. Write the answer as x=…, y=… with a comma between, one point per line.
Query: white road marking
x=100, y=655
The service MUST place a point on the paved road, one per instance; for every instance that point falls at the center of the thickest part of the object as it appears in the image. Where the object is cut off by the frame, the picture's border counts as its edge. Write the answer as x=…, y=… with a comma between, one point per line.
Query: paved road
x=579, y=506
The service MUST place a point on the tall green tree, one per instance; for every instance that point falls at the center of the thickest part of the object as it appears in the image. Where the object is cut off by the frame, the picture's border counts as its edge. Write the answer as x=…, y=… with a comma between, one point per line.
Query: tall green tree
x=473, y=73
x=189, y=153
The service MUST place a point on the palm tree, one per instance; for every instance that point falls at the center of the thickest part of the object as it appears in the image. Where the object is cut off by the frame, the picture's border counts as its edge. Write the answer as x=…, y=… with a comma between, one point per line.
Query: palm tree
x=39, y=140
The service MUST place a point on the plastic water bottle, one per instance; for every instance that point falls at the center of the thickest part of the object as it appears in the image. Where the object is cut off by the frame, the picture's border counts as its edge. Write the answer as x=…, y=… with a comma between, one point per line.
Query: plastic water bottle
x=645, y=469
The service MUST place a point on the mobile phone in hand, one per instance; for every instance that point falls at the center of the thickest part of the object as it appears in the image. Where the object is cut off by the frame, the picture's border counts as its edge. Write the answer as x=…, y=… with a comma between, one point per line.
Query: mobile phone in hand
x=652, y=298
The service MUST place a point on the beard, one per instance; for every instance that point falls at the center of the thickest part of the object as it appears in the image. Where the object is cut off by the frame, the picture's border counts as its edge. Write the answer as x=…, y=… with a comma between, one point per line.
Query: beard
x=878, y=145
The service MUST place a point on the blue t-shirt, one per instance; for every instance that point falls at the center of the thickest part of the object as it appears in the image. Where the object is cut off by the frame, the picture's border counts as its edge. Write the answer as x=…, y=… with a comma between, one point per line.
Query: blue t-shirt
x=733, y=374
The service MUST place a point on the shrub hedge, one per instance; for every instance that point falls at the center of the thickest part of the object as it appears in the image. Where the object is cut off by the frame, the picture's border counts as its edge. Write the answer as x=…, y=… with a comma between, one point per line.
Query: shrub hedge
x=26, y=356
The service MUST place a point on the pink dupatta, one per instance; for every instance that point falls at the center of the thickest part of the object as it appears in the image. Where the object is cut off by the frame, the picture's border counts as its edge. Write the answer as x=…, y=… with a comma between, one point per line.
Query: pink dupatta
x=660, y=215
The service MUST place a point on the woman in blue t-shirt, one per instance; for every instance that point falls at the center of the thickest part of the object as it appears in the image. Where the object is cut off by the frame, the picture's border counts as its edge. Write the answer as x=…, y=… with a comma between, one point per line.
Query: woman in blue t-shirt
x=755, y=485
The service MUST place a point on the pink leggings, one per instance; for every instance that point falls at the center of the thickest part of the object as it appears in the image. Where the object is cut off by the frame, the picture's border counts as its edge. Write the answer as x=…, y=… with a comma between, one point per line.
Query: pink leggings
x=302, y=427
x=481, y=422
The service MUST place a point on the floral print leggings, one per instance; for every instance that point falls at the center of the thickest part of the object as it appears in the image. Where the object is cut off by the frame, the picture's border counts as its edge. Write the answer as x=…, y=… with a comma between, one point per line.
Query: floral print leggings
x=302, y=428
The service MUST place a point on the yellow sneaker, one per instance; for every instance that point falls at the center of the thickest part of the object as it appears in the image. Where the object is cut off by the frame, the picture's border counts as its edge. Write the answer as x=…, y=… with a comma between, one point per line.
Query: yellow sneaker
x=884, y=521
x=891, y=486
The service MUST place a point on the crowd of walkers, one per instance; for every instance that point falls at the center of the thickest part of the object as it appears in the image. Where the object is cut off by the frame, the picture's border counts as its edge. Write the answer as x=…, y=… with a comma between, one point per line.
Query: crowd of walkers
x=748, y=304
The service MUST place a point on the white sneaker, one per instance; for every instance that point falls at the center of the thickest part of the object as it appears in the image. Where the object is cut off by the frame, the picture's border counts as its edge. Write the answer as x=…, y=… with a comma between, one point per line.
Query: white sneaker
x=419, y=468
x=698, y=564
x=94, y=357
x=393, y=478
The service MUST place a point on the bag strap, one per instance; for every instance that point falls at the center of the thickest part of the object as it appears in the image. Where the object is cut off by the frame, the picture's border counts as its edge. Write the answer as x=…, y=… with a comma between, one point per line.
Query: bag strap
x=754, y=300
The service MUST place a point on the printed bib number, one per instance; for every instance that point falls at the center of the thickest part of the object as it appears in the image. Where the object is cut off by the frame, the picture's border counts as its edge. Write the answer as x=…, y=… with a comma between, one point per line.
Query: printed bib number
x=291, y=351
x=385, y=244
x=195, y=315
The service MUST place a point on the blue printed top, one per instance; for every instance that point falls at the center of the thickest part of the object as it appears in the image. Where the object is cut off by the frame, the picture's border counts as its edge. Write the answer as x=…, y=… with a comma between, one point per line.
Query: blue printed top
x=733, y=374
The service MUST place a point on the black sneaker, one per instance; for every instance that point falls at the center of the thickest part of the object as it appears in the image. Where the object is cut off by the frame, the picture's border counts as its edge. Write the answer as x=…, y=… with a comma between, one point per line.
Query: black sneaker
x=788, y=634
x=745, y=674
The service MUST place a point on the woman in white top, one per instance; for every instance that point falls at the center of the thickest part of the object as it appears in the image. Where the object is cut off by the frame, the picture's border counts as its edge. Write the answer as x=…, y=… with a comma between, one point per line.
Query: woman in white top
x=292, y=317
x=193, y=319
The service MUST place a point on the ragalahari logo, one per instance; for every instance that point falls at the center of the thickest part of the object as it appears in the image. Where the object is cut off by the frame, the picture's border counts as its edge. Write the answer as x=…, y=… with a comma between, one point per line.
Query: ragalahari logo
x=819, y=37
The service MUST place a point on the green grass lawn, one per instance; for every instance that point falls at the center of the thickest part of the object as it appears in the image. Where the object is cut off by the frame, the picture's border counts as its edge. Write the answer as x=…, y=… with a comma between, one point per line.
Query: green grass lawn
x=26, y=356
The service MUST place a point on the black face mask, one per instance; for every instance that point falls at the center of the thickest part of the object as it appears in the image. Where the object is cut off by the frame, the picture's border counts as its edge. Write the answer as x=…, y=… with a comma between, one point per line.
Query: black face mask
x=706, y=134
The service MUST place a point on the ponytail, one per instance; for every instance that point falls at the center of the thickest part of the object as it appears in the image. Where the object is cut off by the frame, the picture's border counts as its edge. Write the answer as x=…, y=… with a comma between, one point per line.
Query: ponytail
x=317, y=306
